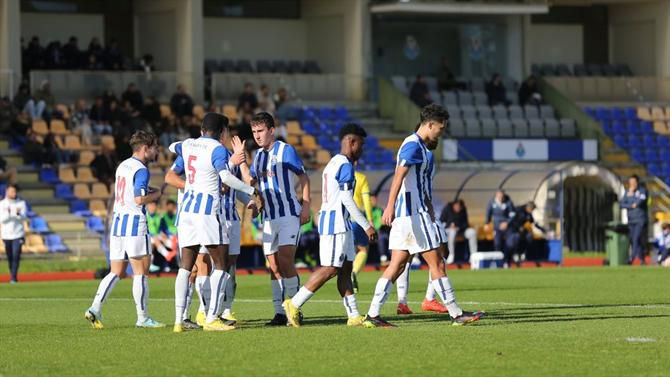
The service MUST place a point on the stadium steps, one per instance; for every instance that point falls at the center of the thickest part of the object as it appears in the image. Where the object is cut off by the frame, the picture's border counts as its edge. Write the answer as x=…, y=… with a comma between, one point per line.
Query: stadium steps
x=83, y=243
x=46, y=209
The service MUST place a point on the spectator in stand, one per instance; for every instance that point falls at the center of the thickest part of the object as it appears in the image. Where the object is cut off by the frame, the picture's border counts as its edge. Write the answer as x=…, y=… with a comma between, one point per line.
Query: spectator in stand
x=447, y=79
x=54, y=147
x=133, y=96
x=72, y=54
x=147, y=63
x=34, y=151
x=115, y=114
x=113, y=57
x=307, y=252
x=521, y=232
x=22, y=97
x=93, y=64
x=13, y=216
x=419, y=93
x=495, y=91
x=104, y=165
x=663, y=243
x=169, y=134
x=34, y=54
x=281, y=97
x=151, y=113
x=108, y=96
x=95, y=49
x=529, y=92
x=8, y=115
x=54, y=55
x=160, y=241
x=80, y=122
x=181, y=103
x=265, y=101
x=247, y=99
x=99, y=116
x=44, y=95
x=454, y=216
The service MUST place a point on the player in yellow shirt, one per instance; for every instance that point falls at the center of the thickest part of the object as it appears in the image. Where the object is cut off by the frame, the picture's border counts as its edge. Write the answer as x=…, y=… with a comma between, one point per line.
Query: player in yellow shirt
x=362, y=199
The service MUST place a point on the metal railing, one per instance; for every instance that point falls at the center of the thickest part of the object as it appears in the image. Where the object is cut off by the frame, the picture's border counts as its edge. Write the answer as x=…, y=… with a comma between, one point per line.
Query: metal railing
x=227, y=87
x=68, y=86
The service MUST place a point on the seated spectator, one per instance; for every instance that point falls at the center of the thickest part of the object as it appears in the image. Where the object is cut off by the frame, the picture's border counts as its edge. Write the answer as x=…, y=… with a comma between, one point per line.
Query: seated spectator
x=495, y=91
x=151, y=112
x=113, y=58
x=104, y=165
x=147, y=63
x=54, y=55
x=447, y=79
x=454, y=216
x=281, y=97
x=133, y=96
x=181, y=103
x=529, y=92
x=663, y=243
x=7, y=175
x=22, y=97
x=44, y=95
x=419, y=93
x=34, y=151
x=99, y=116
x=8, y=115
x=72, y=54
x=520, y=234
x=247, y=98
x=80, y=122
x=265, y=101
x=169, y=134
x=92, y=63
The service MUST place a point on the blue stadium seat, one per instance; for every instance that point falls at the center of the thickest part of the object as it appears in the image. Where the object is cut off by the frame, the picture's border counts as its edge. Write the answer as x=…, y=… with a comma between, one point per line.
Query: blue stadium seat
x=665, y=154
x=663, y=141
x=64, y=191
x=55, y=244
x=649, y=140
x=617, y=113
x=590, y=112
x=38, y=225
x=665, y=167
x=95, y=224
x=651, y=155
x=635, y=141
x=79, y=208
x=30, y=210
x=326, y=113
x=49, y=175
x=633, y=126
x=630, y=113
x=647, y=127
x=619, y=127
x=603, y=113
x=607, y=127
x=638, y=155
x=309, y=127
x=3, y=188
x=342, y=113
x=655, y=169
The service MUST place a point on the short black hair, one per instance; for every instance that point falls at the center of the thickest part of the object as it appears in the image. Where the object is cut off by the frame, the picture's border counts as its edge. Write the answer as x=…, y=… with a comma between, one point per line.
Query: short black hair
x=435, y=113
x=170, y=201
x=263, y=118
x=16, y=187
x=636, y=178
x=214, y=123
x=352, y=129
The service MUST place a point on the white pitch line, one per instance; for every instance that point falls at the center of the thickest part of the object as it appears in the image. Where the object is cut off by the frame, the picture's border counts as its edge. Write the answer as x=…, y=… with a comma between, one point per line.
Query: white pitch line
x=266, y=301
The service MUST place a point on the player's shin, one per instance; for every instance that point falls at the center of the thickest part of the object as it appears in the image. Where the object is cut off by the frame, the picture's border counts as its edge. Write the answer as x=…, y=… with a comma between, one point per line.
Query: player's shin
x=447, y=294
x=180, y=291
x=381, y=294
x=231, y=287
x=217, y=283
x=141, y=296
x=104, y=289
x=277, y=296
x=402, y=285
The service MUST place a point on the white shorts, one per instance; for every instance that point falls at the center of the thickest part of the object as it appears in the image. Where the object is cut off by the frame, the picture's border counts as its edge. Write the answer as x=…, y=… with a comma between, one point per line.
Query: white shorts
x=280, y=232
x=441, y=233
x=231, y=237
x=416, y=234
x=195, y=229
x=334, y=249
x=124, y=247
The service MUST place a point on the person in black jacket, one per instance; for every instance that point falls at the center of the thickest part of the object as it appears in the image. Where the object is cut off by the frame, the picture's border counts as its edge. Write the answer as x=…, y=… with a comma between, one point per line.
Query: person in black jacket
x=501, y=211
x=496, y=92
x=635, y=202
x=519, y=237
x=454, y=216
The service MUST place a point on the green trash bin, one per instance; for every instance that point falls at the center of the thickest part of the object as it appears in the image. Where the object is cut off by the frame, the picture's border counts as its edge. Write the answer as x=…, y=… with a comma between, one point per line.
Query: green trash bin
x=616, y=245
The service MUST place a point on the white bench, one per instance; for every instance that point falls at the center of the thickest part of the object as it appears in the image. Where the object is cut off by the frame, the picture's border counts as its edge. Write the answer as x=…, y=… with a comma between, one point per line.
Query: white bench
x=486, y=259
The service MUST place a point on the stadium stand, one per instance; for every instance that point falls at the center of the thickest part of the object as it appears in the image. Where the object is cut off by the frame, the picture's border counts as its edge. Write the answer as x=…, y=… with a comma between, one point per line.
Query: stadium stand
x=607, y=70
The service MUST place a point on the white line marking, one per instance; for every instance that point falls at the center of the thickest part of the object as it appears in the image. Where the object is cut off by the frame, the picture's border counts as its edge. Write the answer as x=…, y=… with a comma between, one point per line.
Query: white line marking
x=265, y=301
x=640, y=340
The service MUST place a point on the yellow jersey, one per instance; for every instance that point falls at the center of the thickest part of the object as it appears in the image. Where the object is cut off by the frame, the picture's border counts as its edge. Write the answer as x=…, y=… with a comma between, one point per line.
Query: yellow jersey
x=362, y=195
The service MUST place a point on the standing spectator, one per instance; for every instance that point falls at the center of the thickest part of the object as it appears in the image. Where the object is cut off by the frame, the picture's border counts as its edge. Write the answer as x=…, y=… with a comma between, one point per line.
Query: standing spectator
x=500, y=209
x=115, y=114
x=113, y=57
x=13, y=215
x=265, y=101
x=169, y=134
x=54, y=55
x=92, y=63
x=281, y=97
x=529, y=93
x=447, y=79
x=34, y=54
x=160, y=241
x=635, y=202
x=454, y=216
x=72, y=54
x=95, y=49
x=495, y=91
x=147, y=63
x=247, y=98
x=133, y=96
x=181, y=103
x=419, y=93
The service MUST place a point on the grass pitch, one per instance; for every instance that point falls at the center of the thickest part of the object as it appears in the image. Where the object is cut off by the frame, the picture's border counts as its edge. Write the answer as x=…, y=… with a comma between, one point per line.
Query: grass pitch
x=571, y=322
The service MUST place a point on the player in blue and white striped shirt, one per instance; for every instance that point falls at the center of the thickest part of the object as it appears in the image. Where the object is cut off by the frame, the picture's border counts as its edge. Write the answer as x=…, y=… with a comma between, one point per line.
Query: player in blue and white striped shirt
x=274, y=168
x=206, y=167
x=337, y=249
x=410, y=214
x=129, y=238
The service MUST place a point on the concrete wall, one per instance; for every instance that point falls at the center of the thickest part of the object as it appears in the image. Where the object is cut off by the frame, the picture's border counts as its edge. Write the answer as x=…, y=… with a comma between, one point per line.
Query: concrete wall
x=56, y=26
x=639, y=37
x=254, y=39
x=10, y=47
x=556, y=43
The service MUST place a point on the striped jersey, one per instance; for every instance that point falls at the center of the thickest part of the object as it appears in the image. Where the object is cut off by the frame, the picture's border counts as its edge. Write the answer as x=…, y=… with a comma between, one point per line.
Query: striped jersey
x=228, y=208
x=201, y=161
x=132, y=180
x=337, y=177
x=417, y=186
x=275, y=171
